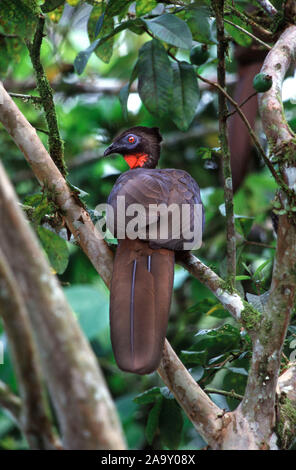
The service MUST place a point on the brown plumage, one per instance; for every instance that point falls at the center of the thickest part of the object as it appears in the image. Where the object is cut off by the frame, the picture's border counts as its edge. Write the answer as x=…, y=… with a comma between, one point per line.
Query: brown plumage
x=143, y=270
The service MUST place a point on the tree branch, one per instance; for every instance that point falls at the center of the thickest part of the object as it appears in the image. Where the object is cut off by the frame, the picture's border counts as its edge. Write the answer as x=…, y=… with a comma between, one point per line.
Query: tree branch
x=218, y=7
x=268, y=7
x=258, y=405
x=33, y=414
x=206, y=417
x=262, y=43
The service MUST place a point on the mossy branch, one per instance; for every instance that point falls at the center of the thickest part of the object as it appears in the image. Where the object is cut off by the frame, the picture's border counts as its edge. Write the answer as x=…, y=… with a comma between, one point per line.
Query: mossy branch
x=218, y=7
x=56, y=146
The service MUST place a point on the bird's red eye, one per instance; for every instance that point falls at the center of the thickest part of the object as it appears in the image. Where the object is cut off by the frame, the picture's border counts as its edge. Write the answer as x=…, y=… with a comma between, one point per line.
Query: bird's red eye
x=131, y=139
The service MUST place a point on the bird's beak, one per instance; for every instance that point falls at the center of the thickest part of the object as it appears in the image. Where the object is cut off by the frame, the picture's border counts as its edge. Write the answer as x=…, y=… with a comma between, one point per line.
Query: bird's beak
x=113, y=148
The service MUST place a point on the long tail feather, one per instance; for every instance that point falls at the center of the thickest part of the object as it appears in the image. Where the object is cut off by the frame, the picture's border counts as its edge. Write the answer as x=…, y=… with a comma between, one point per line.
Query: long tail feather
x=140, y=300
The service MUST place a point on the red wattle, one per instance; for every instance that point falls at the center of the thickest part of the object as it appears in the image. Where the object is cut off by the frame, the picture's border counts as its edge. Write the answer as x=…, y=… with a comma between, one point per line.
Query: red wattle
x=136, y=159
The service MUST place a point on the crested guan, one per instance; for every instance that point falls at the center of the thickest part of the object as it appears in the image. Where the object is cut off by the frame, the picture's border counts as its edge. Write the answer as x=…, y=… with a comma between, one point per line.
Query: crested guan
x=143, y=272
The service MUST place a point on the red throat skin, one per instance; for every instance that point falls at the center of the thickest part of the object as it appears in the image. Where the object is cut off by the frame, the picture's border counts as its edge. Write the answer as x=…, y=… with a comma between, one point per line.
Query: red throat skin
x=136, y=160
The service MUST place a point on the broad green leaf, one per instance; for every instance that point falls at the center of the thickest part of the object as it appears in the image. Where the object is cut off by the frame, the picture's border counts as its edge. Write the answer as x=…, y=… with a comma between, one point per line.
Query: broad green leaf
x=239, y=37
x=185, y=95
x=153, y=420
x=170, y=424
x=17, y=18
x=55, y=248
x=155, y=78
x=149, y=396
x=171, y=29
x=144, y=6
x=91, y=306
x=198, y=20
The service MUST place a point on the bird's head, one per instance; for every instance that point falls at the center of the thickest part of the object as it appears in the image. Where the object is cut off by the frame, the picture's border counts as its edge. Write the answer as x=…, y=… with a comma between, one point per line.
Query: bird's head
x=140, y=146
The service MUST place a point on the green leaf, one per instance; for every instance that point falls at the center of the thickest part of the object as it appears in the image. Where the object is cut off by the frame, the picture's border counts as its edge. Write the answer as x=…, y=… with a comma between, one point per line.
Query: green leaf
x=155, y=84
x=198, y=20
x=5, y=57
x=170, y=424
x=144, y=6
x=171, y=29
x=50, y=5
x=237, y=370
x=99, y=25
x=211, y=343
x=115, y=7
x=242, y=278
x=83, y=56
x=125, y=90
x=194, y=357
x=197, y=373
x=149, y=396
x=204, y=153
x=185, y=95
x=91, y=305
x=104, y=49
x=239, y=36
x=123, y=98
x=243, y=225
x=41, y=206
x=261, y=267
x=153, y=420
x=55, y=248
x=18, y=18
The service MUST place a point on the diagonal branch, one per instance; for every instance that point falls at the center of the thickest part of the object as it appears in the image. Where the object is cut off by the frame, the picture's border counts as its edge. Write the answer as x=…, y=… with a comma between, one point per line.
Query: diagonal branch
x=207, y=418
x=268, y=7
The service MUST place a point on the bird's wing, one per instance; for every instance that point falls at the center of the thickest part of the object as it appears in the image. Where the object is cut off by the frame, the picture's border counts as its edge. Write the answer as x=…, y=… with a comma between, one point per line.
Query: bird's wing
x=150, y=188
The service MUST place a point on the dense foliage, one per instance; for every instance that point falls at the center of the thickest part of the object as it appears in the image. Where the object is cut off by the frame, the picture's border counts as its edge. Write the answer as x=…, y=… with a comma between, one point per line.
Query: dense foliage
x=113, y=65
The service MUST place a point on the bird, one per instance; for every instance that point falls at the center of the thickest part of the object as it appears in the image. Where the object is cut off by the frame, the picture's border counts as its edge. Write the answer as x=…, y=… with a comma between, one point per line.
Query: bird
x=143, y=271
